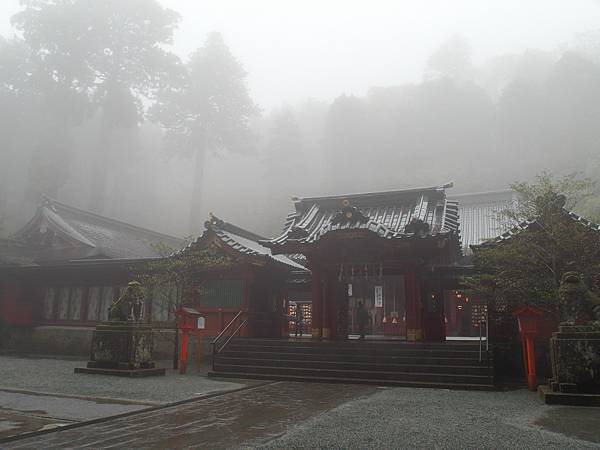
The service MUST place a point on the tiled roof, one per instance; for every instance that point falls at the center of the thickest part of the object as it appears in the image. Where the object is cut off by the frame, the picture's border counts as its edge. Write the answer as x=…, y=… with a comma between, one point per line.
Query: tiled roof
x=244, y=241
x=14, y=254
x=515, y=230
x=391, y=215
x=479, y=216
x=89, y=235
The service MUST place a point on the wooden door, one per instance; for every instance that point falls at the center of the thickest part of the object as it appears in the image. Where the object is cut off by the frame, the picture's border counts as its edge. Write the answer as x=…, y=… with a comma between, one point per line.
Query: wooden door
x=433, y=317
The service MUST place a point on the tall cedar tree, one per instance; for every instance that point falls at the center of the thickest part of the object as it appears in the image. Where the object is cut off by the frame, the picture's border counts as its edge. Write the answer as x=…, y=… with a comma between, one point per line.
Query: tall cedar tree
x=208, y=112
x=110, y=51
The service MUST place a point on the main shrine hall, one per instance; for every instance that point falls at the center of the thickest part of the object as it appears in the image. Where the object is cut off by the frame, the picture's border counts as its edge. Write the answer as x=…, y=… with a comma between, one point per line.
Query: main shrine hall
x=390, y=251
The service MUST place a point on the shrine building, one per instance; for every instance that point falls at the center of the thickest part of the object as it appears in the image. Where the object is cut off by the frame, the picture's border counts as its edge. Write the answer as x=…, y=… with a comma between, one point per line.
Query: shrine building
x=387, y=250
x=63, y=269
x=401, y=253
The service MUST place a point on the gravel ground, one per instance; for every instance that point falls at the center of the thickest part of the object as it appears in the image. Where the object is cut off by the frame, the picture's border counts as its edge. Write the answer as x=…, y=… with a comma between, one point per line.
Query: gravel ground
x=55, y=376
x=431, y=418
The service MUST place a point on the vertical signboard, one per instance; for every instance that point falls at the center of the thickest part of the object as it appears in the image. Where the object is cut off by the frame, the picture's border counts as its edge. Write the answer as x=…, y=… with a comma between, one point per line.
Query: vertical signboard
x=379, y=296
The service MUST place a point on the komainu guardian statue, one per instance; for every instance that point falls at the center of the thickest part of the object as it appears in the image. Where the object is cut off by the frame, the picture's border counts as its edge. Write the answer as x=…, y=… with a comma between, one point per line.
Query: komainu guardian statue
x=123, y=345
x=129, y=306
x=577, y=304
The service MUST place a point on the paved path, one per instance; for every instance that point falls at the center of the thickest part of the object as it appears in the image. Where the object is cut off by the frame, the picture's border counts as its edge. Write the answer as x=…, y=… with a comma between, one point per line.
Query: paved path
x=41, y=393
x=288, y=415
x=26, y=412
x=251, y=417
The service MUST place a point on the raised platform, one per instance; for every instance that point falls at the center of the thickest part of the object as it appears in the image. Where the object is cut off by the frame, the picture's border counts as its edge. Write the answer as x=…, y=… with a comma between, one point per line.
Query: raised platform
x=122, y=349
x=562, y=398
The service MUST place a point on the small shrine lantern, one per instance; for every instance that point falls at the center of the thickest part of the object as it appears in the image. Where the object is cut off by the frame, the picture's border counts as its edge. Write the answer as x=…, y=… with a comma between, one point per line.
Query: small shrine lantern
x=188, y=320
x=528, y=319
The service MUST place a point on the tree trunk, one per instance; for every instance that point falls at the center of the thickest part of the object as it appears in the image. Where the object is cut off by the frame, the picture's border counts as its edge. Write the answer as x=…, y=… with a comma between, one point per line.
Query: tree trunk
x=196, y=219
x=99, y=171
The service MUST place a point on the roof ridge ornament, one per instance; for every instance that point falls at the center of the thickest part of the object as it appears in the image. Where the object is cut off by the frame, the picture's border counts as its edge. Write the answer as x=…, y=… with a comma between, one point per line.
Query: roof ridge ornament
x=213, y=221
x=349, y=213
x=297, y=233
x=417, y=227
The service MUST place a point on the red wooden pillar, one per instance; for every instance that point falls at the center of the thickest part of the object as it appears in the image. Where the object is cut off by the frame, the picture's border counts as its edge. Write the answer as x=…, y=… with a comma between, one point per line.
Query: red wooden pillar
x=247, y=304
x=183, y=352
x=283, y=300
x=451, y=312
x=317, y=303
x=413, y=306
x=331, y=307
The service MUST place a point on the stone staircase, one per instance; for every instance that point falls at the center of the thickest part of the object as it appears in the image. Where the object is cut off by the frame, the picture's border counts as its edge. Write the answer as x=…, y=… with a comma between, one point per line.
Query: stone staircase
x=449, y=365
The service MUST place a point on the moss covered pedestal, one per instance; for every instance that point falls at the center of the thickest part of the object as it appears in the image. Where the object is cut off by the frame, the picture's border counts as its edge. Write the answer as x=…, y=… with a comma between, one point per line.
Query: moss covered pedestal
x=575, y=353
x=122, y=349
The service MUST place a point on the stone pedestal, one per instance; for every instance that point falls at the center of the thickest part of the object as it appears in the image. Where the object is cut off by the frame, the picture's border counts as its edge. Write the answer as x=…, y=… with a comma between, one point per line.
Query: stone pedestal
x=122, y=349
x=575, y=354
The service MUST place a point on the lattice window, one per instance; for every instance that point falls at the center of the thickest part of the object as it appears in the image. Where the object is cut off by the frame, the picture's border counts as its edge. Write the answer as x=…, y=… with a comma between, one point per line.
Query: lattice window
x=49, y=302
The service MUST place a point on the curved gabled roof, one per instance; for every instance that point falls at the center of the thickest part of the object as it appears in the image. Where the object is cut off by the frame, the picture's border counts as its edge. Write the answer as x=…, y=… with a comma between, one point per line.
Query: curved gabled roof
x=243, y=241
x=390, y=215
x=84, y=234
x=527, y=224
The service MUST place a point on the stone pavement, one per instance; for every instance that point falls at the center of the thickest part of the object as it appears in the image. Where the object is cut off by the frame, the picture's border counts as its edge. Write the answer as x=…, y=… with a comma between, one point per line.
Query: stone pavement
x=251, y=417
x=26, y=412
x=292, y=415
x=42, y=393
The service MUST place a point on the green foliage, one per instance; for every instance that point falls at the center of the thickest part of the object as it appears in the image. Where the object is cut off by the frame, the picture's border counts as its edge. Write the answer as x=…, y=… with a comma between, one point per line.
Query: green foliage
x=452, y=59
x=86, y=55
x=182, y=269
x=535, y=197
x=209, y=109
x=87, y=44
x=527, y=268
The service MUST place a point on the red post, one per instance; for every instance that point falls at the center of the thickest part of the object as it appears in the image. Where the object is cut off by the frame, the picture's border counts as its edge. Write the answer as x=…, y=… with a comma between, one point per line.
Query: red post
x=317, y=300
x=183, y=351
x=413, y=305
x=531, y=374
x=528, y=319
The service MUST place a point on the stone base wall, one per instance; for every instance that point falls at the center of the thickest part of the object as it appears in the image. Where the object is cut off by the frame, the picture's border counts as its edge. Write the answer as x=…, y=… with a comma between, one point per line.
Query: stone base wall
x=576, y=360
x=56, y=340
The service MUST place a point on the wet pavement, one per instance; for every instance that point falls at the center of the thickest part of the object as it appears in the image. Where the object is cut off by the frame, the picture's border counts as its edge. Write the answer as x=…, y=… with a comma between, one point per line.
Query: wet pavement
x=249, y=417
x=294, y=415
x=43, y=393
x=26, y=412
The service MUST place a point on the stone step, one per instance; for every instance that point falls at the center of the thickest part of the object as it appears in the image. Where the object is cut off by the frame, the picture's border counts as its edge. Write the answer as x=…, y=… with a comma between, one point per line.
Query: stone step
x=383, y=365
x=398, y=383
x=354, y=343
x=356, y=357
x=361, y=374
x=392, y=351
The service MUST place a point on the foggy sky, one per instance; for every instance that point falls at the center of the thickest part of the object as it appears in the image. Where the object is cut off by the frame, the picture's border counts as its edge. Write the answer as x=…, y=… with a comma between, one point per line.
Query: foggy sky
x=320, y=49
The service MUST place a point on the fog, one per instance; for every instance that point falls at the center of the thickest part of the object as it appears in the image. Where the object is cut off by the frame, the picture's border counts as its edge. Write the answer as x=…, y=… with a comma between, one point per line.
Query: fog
x=317, y=98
